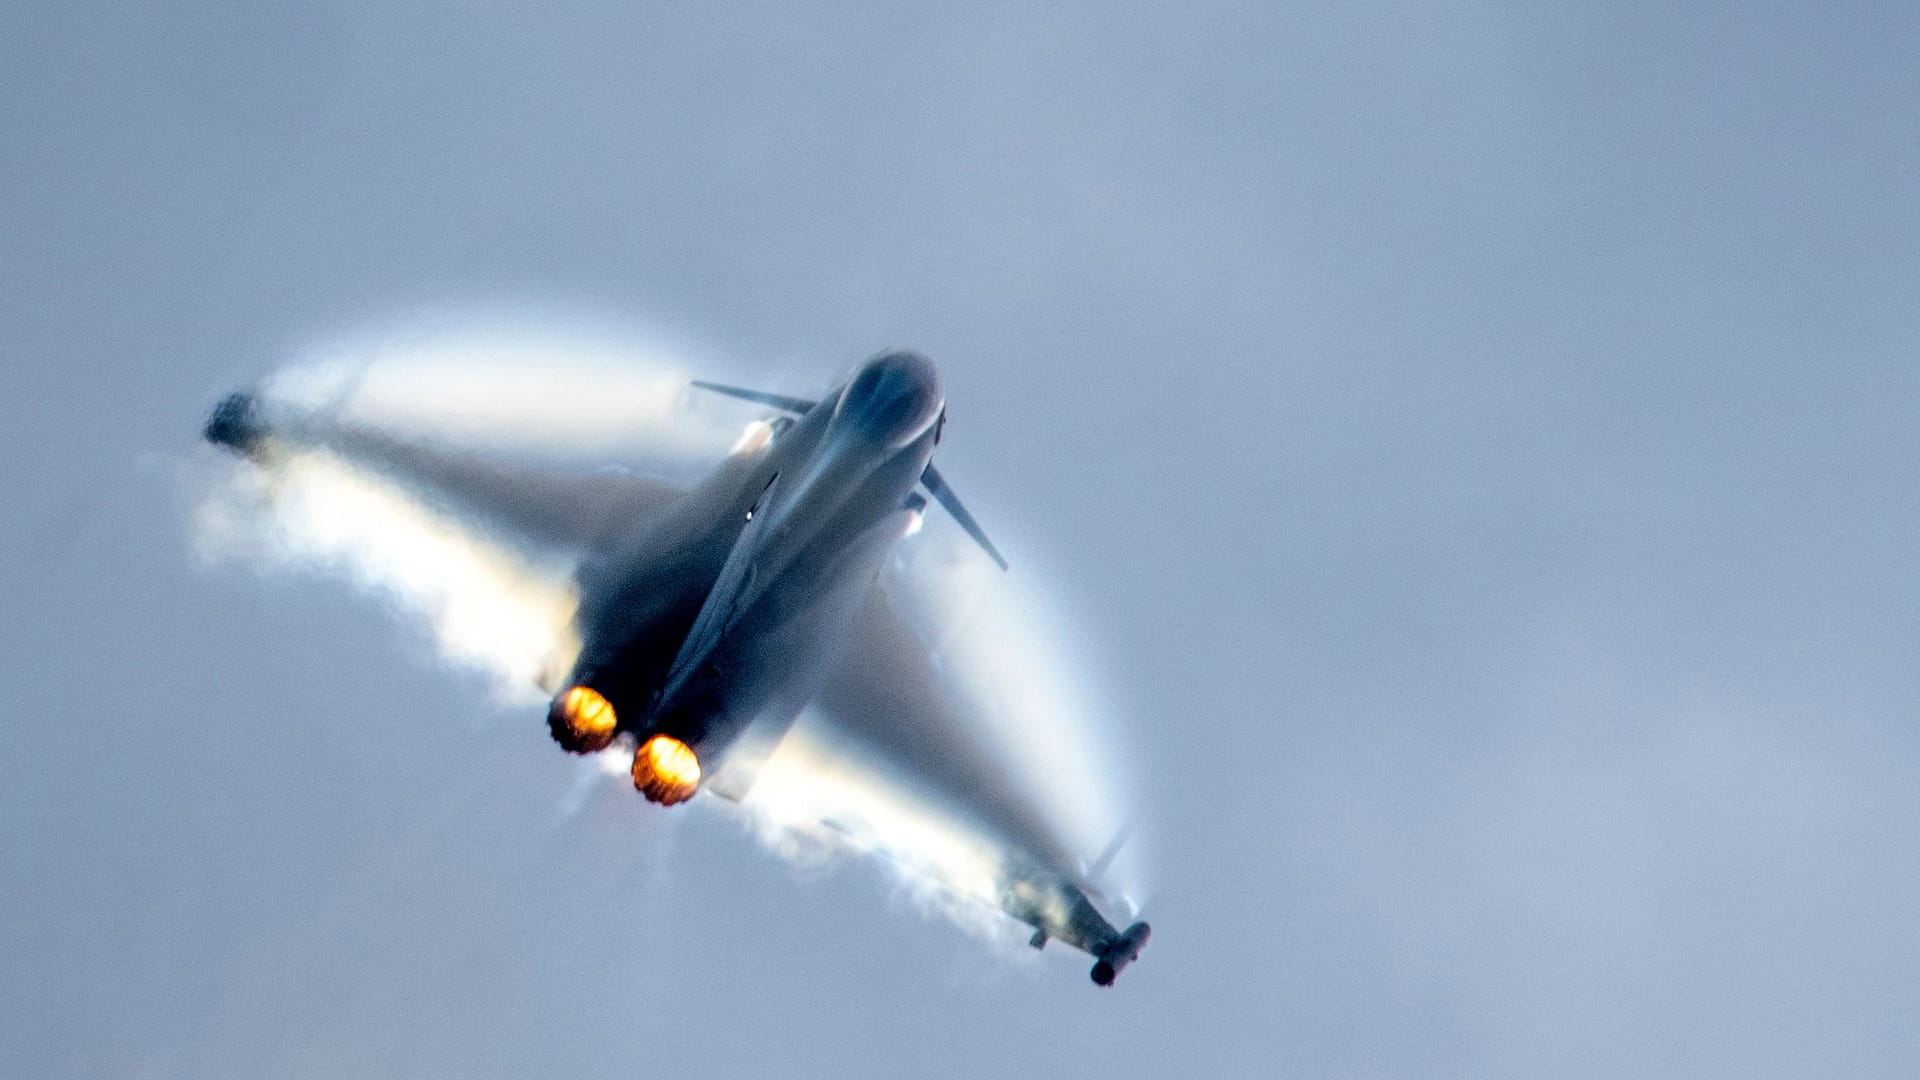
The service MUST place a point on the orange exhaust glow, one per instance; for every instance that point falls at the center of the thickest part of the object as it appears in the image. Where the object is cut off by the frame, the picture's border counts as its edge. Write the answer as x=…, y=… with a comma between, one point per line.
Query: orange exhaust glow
x=582, y=720
x=666, y=770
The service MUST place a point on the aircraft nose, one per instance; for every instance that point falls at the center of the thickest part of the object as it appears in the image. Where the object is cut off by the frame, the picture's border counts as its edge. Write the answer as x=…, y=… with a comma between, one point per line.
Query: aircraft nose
x=894, y=399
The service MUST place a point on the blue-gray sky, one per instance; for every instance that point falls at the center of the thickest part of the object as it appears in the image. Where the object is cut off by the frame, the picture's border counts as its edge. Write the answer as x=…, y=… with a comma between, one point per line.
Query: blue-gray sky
x=1476, y=440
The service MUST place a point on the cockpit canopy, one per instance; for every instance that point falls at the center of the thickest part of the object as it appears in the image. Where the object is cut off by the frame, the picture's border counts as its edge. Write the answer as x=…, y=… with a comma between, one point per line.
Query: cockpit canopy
x=894, y=399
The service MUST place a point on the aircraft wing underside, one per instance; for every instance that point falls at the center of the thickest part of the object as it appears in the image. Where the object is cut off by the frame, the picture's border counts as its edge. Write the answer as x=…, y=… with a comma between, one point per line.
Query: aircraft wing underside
x=892, y=703
x=574, y=513
x=887, y=696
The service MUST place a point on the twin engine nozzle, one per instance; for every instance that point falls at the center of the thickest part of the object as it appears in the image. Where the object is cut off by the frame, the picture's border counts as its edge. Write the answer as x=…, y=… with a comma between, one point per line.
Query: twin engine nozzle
x=665, y=770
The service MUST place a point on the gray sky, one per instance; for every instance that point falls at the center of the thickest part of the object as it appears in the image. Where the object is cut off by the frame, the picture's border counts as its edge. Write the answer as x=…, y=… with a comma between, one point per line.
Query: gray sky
x=1477, y=442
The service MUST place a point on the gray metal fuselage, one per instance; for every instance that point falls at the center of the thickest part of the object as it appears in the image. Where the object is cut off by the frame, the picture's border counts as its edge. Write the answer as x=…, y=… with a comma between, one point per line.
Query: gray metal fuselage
x=729, y=611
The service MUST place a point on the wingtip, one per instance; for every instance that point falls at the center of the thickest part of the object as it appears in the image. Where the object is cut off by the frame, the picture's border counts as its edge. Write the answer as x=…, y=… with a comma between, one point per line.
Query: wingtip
x=235, y=423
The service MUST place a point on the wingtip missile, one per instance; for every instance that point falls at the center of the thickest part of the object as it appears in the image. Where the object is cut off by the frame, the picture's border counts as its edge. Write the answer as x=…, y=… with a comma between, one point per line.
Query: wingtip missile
x=236, y=423
x=1124, y=950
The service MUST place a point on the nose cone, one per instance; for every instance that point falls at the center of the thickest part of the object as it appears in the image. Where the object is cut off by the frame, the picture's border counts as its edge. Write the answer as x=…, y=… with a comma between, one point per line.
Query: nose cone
x=894, y=399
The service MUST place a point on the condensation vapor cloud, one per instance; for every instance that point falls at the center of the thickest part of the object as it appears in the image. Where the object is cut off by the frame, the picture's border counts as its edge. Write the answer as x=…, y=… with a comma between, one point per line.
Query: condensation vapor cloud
x=499, y=612
x=319, y=501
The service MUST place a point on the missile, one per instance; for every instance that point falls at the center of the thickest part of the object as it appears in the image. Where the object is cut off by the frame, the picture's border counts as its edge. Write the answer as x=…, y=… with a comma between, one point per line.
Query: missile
x=236, y=424
x=1124, y=950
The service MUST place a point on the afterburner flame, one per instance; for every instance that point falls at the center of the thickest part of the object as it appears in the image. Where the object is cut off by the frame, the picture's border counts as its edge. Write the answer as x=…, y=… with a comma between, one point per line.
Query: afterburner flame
x=582, y=720
x=666, y=770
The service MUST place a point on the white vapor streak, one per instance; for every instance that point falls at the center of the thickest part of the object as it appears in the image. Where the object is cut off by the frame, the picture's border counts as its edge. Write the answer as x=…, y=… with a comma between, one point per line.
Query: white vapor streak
x=553, y=395
x=814, y=801
x=995, y=649
x=488, y=609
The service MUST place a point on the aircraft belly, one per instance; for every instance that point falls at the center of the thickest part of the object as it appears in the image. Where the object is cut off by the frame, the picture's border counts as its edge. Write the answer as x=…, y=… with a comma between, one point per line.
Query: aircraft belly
x=774, y=657
x=640, y=600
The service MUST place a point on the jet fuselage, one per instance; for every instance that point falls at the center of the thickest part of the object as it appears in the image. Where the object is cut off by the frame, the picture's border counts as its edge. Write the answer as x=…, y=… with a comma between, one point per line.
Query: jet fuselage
x=831, y=492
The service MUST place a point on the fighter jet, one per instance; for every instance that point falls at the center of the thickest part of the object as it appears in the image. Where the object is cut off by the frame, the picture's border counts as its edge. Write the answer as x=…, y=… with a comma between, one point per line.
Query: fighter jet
x=711, y=616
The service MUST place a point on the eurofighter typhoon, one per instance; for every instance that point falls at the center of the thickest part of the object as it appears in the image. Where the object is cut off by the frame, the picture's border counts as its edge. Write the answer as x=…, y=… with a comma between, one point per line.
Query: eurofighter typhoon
x=707, y=616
